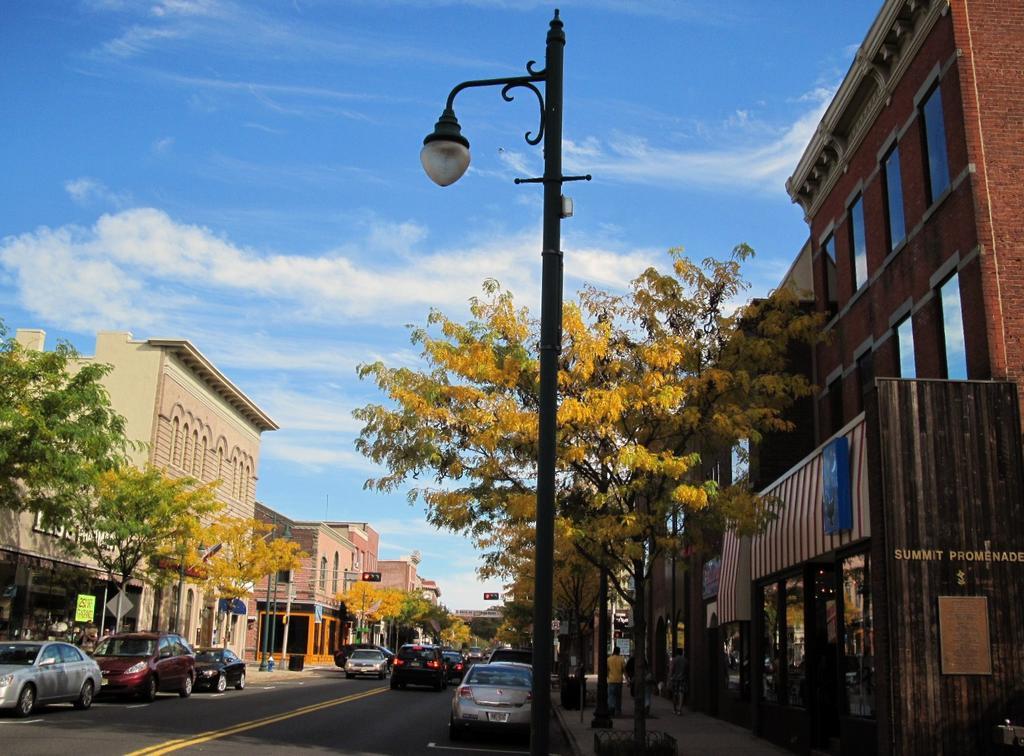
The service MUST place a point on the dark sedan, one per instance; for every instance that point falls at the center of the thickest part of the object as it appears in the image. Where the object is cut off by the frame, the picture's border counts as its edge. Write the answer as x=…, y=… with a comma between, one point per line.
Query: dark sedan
x=454, y=665
x=217, y=668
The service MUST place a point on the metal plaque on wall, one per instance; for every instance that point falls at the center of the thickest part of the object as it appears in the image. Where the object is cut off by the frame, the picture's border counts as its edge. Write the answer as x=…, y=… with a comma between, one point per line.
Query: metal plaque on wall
x=964, y=638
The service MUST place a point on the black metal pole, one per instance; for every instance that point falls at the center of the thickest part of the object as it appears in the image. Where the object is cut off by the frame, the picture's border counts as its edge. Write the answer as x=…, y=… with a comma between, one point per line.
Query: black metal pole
x=601, y=718
x=550, y=349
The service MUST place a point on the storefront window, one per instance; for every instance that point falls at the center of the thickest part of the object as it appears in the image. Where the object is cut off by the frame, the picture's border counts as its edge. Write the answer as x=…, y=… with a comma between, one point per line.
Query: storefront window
x=858, y=637
x=770, y=644
x=736, y=657
x=796, y=648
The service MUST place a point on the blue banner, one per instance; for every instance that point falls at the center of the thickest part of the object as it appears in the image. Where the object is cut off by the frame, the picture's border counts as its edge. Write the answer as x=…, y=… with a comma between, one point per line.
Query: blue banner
x=232, y=606
x=837, y=499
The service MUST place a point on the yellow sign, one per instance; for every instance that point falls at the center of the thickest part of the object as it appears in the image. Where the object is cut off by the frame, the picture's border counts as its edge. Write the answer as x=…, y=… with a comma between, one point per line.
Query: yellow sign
x=86, y=608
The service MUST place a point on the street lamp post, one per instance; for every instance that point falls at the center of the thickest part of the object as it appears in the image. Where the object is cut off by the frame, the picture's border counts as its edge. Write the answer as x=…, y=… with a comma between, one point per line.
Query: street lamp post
x=445, y=157
x=266, y=622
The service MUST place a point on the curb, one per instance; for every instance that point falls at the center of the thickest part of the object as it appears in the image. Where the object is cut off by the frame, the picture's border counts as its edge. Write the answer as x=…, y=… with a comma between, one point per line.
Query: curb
x=566, y=731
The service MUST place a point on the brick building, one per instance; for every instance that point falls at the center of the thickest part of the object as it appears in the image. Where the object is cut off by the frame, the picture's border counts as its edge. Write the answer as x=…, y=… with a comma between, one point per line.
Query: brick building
x=882, y=611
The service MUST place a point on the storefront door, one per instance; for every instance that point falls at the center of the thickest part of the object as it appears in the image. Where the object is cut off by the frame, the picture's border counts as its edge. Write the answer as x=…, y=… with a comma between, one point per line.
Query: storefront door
x=824, y=678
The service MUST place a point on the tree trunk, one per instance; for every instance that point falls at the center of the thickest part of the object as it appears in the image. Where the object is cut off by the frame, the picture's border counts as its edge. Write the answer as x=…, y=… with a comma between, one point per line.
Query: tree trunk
x=601, y=718
x=639, y=651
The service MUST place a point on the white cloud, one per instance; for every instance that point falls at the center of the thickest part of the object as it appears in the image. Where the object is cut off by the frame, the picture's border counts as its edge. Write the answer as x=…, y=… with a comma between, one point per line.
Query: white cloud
x=162, y=146
x=89, y=191
x=753, y=165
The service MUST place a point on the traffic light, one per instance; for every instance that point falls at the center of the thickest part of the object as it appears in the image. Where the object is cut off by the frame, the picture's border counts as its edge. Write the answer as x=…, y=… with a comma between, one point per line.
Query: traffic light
x=371, y=577
x=490, y=597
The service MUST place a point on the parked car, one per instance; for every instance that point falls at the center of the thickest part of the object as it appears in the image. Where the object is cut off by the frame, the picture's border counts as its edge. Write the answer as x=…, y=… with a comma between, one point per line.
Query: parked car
x=366, y=661
x=217, y=668
x=492, y=697
x=342, y=654
x=521, y=655
x=35, y=673
x=454, y=665
x=418, y=664
x=145, y=664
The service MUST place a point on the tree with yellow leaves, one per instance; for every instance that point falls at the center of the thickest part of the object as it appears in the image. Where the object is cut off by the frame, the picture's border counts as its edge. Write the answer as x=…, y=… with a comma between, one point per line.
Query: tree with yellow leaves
x=649, y=382
x=456, y=634
x=362, y=599
x=245, y=554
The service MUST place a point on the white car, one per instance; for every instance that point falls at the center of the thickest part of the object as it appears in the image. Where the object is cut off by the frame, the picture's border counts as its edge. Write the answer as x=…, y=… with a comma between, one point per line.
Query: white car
x=40, y=672
x=493, y=697
x=365, y=661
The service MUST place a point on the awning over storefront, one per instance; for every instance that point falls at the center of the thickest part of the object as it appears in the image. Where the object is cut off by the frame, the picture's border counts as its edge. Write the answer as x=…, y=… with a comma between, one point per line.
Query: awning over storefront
x=799, y=532
x=734, y=581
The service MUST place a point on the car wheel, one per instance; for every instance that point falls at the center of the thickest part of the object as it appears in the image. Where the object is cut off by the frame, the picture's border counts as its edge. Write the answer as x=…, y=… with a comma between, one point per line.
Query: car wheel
x=149, y=689
x=349, y=675
x=453, y=732
x=186, y=687
x=222, y=683
x=26, y=701
x=84, y=700
x=394, y=684
x=240, y=685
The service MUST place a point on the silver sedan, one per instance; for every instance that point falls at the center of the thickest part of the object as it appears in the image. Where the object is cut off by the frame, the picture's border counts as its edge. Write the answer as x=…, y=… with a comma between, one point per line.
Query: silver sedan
x=41, y=672
x=492, y=697
x=365, y=661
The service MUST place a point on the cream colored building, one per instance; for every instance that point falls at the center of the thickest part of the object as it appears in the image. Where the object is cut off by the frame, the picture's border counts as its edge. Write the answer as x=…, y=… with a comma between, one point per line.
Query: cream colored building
x=191, y=420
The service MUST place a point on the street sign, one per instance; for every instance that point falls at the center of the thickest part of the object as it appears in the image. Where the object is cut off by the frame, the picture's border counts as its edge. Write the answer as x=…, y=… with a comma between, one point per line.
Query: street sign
x=126, y=604
x=85, y=607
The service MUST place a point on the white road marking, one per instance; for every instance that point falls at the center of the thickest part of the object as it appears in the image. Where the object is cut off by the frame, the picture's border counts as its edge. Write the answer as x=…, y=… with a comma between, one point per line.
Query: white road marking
x=137, y=706
x=19, y=721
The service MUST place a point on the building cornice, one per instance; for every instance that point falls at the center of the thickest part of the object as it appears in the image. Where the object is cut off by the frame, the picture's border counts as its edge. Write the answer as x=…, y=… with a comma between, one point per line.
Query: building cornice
x=205, y=370
x=894, y=39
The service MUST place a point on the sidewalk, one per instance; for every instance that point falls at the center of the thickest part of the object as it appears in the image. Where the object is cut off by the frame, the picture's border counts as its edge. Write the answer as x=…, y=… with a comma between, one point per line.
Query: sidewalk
x=254, y=676
x=696, y=734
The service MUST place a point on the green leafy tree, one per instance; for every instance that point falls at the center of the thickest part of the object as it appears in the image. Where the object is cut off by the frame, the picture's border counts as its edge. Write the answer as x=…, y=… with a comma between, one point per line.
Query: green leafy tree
x=135, y=516
x=57, y=429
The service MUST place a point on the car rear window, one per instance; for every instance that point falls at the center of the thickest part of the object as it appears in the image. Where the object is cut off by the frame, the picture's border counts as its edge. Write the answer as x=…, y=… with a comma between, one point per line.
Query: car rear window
x=365, y=653
x=510, y=677
x=453, y=655
x=513, y=655
x=417, y=652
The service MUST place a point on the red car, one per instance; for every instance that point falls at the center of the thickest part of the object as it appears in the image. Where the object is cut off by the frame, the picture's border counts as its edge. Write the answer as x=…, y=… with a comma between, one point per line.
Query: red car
x=144, y=664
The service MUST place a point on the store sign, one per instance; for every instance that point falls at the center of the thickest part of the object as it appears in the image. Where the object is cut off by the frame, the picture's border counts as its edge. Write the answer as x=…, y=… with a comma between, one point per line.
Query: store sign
x=85, y=607
x=837, y=501
x=232, y=606
x=709, y=581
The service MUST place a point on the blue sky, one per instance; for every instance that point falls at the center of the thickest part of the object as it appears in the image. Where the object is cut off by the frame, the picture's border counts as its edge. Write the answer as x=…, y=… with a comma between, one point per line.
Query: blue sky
x=246, y=175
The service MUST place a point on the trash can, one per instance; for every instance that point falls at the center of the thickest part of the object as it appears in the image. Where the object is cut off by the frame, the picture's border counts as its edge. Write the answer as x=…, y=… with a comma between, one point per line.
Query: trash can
x=295, y=662
x=570, y=693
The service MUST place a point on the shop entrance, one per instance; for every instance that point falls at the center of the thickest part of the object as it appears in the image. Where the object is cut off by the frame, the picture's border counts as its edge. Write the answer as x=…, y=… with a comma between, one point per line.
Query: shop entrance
x=824, y=677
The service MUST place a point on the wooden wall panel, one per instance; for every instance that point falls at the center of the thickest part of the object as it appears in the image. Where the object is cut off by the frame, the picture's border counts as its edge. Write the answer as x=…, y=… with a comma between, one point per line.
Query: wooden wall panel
x=949, y=472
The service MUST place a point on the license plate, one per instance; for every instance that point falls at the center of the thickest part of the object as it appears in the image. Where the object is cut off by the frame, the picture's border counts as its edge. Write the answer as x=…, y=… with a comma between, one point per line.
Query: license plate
x=416, y=664
x=104, y=681
x=497, y=716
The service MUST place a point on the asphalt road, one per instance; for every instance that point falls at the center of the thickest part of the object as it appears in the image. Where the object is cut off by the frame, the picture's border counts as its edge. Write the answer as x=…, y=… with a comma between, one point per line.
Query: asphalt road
x=317, y=713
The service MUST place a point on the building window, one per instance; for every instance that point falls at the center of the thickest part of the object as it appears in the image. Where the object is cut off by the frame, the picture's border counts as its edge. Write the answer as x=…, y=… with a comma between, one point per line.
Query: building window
x=865, y=377
x=858, y=243
x=334, y=575
x=796, y=645
x=934, y=137
x=953, y=329
x=905, y=347
x=736, y=654
x=195, y=453
x=176, y=442
x=189, y=602
x=858, y=637
x=894, y=197
x=770, y=677
x=835, y=405
x=829, y=262
x=323, y=573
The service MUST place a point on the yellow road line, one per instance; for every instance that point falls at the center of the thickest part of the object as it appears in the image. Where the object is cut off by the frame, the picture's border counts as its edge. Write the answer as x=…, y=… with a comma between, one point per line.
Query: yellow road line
x=204, y=737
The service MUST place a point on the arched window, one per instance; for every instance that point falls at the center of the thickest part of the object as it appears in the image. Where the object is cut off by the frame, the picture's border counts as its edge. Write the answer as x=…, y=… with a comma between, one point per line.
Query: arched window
x=334, y=577
x=194, y=462
x=186, y=457
x=189, y=601
x=323, y=573
x=201, y=469
x=236, y=474
x=220, y=465
x=175, y=442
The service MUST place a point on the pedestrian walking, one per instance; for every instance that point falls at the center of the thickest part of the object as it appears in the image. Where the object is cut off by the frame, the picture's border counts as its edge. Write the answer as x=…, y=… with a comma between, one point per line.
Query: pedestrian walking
x=677, y=674
x=616, y=670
